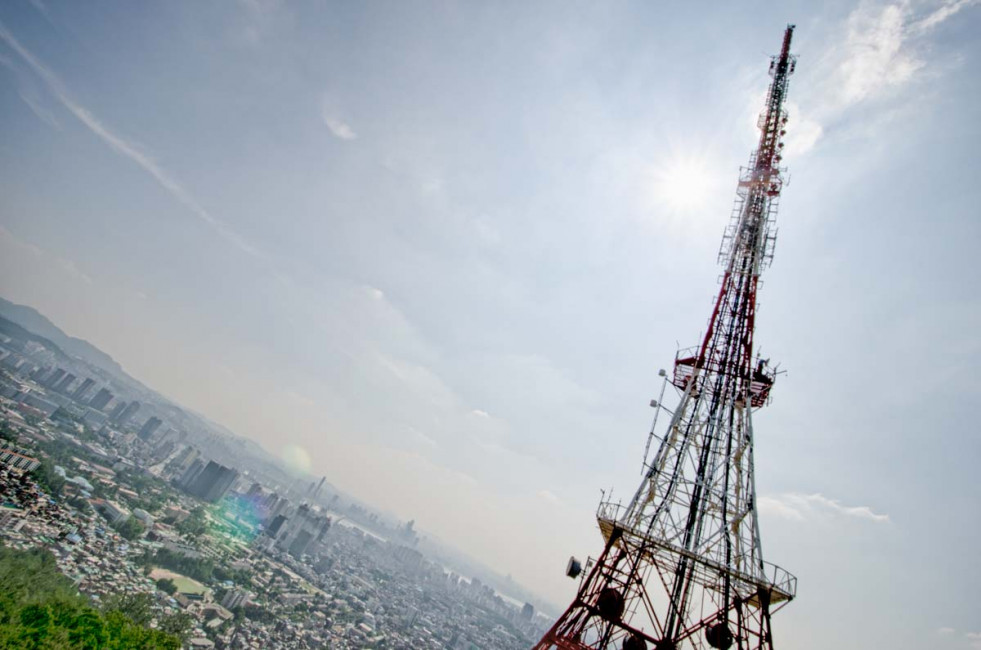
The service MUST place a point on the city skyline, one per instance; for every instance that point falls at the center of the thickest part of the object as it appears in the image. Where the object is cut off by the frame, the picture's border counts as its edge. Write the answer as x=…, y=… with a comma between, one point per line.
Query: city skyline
x=438, y=255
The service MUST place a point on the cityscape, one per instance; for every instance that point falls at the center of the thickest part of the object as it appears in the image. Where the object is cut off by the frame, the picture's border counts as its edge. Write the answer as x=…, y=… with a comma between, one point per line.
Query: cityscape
x=468, y=325
x=130, y=505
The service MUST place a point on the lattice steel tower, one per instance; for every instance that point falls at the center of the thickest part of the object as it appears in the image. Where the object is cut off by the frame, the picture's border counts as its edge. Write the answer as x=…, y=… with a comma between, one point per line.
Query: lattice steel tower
x=682, y=566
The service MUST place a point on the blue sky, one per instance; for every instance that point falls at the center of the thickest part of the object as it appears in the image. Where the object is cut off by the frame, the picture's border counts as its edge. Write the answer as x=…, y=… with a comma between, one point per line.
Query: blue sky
x=445, y=247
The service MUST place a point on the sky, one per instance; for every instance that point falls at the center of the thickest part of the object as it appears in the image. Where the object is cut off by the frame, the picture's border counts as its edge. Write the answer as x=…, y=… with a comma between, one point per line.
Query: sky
x=445, y=247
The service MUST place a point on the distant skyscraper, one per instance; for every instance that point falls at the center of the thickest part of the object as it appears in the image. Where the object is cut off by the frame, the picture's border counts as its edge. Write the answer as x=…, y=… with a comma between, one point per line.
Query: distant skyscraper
x=128, y=412
x=101, y=398
x=66, y=381
x=83, y=389
x=117, y=411
x=300, y=543
x=184, y=458
x=191, y=473
x=320, y=485
x=304, y=527
x=11, y=361
x=54, y=377
x=163, y=450
x=150, y=427
x=276, y=525
x=528, y=612
x=212, y=482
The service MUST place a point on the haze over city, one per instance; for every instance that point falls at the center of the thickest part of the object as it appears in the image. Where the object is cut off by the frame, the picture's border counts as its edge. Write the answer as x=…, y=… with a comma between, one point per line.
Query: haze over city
x=437, y=252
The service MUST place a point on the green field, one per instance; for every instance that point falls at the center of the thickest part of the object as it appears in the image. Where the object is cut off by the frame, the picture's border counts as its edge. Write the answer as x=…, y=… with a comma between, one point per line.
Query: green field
x=184, y=584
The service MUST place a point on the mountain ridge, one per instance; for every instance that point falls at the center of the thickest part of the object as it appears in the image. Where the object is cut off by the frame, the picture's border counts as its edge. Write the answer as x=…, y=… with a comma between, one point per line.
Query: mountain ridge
x=37, y=323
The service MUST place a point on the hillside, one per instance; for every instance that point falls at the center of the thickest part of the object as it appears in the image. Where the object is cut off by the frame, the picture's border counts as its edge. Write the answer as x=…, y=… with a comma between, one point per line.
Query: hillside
x=33, y=321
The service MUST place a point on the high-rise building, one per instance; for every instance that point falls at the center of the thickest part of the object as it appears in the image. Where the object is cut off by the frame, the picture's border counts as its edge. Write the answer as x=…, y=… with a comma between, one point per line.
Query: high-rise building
x=128, y=413
x=117, y=411
x=11, y=361
x=277, y=524
x=305, y=526
x=150, y=427
x=190, y=474
x=163, y=450
x=54, y=377
x=101, y=399
x=79, y=394
x=300, y=543
x=528, y=612
x=184, y=458
x=212, y=482
x=66, y=381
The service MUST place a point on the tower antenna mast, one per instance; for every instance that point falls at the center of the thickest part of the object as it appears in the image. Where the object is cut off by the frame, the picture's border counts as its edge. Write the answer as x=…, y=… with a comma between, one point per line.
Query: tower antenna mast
x=682, y=566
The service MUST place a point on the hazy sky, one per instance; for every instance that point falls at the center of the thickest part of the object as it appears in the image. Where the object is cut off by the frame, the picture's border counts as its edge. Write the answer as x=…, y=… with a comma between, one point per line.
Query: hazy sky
x=445, y=248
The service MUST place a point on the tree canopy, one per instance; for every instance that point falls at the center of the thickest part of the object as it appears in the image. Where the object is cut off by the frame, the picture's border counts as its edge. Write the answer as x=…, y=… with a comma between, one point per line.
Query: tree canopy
x=41, y=610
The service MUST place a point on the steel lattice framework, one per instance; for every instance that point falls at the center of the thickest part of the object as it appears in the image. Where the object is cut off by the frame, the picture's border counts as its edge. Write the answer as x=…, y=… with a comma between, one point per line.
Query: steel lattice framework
x=682, y=566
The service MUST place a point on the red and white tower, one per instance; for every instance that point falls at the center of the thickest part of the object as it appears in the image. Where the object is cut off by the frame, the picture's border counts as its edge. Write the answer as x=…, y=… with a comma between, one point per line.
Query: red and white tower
x=682, y=566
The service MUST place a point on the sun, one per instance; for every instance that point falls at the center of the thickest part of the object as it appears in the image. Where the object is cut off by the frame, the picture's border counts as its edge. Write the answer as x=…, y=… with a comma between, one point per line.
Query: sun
x=683, y=185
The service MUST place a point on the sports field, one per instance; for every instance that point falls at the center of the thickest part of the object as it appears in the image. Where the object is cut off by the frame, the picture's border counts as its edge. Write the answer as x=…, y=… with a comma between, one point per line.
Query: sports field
x=184, y=584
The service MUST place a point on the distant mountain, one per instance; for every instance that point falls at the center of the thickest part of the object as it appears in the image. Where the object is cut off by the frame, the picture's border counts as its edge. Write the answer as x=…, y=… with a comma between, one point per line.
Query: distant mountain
x=30, y=319
x=15, y=331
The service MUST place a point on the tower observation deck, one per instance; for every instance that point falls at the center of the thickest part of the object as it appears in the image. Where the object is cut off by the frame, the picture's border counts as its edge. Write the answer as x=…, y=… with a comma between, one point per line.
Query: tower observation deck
x=682, y=566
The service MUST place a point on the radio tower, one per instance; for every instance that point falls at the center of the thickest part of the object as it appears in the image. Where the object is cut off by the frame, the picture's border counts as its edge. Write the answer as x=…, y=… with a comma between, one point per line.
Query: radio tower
x=682, y=566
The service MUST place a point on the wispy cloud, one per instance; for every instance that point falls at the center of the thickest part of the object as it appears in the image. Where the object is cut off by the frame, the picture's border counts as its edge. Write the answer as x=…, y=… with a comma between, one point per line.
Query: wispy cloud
x=945, y=631
x=881, y=49
x=124, y=147
x=945, y=11
x=260, y=17
x=876, y=55
x=339, y=128
x=480, y=414
x=803, y=507
x=974, y=638
x=40, y=111
x=549, y=496
x=9, y=240
x=70, y=267
x=42, y=8
x=420, y=437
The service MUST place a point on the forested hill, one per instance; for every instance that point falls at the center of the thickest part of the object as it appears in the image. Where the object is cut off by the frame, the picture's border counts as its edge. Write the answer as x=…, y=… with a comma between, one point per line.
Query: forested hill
x=40, y=608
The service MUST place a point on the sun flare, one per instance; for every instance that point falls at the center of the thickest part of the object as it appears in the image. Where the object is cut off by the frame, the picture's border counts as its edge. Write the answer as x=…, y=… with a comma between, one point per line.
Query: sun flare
x=683, y=185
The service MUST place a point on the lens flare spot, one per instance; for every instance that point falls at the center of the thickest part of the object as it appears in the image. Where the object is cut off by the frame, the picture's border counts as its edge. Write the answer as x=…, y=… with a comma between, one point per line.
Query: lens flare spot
x=297, y=459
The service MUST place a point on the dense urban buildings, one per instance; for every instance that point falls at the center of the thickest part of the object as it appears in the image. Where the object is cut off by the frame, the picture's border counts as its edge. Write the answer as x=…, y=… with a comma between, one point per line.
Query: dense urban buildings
x=228, y=558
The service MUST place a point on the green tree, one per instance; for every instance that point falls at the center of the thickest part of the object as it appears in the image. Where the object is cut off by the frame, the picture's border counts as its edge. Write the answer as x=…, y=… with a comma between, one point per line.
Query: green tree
x=41, y=610
x=7, y=431
x=129, y=528
x=136, y=607
x=195, y=525
x=48, y=479
x=167, y=585
x=178, y=624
